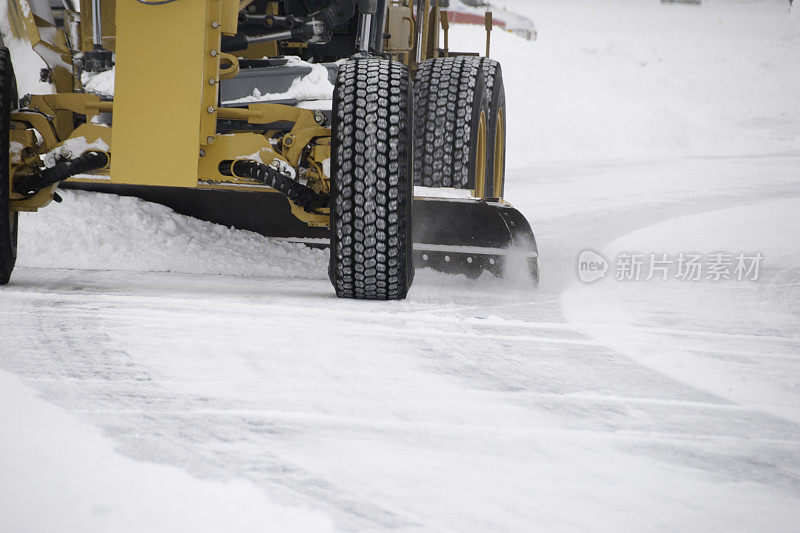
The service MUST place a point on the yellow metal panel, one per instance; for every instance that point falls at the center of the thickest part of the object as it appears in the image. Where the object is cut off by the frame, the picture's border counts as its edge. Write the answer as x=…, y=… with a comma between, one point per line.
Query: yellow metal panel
x=230, y=16
x=211, y=60
x=165, y=82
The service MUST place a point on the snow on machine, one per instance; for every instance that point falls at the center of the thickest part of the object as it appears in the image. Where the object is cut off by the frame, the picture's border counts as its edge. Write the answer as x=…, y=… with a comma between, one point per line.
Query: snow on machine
x=294, y=118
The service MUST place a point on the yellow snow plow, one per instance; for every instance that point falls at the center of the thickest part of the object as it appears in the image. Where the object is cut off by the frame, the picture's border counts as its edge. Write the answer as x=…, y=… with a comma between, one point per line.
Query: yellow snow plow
x=297, y=119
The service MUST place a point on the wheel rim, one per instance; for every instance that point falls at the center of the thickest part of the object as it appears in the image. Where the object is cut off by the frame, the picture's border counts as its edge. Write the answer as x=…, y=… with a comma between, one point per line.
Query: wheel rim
x=499, y=153
x=480, y=158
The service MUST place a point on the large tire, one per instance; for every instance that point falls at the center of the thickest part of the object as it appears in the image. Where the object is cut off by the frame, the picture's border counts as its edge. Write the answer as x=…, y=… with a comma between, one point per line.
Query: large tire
x=451, y=110
x=371, y=247
x=496, y=149
x=8, y=219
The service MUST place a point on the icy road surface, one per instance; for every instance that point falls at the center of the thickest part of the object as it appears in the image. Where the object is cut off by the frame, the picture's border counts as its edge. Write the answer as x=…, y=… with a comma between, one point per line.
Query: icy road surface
x=170, y=375
x=472, y=406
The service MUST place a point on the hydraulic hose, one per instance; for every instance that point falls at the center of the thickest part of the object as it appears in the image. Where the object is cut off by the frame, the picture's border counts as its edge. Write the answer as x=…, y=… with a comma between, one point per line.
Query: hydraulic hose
x=240, y=41
x=298, y=193
x=315, y=29
x=89, y=161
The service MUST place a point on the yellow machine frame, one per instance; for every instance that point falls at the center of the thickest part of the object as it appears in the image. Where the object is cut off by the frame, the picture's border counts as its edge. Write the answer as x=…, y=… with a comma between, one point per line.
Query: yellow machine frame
x=174, y=142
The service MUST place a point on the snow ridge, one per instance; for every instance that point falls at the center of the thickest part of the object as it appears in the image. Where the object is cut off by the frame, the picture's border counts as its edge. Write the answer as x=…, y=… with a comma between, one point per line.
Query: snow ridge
x=108, y=232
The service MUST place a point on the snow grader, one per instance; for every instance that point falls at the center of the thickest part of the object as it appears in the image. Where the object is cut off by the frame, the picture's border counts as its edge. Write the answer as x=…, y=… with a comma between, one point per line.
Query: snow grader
x=208, y=116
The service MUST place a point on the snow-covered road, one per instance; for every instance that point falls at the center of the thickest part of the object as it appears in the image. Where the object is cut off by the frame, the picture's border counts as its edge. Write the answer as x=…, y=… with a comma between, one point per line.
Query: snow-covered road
x=472, y=406
x=173, y=375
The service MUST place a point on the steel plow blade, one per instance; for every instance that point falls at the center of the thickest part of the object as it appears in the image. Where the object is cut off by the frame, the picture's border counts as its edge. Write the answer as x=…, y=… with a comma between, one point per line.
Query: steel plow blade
x=470, y=236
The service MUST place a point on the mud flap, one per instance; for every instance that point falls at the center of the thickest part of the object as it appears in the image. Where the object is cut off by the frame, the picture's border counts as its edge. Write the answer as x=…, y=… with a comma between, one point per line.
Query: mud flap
x=457, y=236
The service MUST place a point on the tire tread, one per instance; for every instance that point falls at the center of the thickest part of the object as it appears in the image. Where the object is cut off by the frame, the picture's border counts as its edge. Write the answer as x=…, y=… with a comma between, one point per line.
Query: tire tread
x=371, y=193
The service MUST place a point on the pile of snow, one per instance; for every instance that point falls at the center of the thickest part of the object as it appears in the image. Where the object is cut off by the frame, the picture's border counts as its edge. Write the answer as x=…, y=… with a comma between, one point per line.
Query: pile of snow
x=72, y=148
x=313, y=91
x=61, y=474
x=313, y=86
x=100, y=83
x=27, y=63
x=108, y=232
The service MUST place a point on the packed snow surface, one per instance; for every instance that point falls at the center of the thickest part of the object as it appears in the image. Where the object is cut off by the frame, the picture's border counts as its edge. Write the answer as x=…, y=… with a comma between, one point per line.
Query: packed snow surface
x=730, y=320
x=620, y=79
x=77, y=481
x=161, y=373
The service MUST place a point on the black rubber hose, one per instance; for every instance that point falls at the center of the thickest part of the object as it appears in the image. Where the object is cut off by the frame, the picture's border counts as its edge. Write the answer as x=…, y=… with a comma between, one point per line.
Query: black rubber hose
x=270, y=21
x=332, y=16
x=240, y=41
x=233, y=43
x=298, y=193
x=62, y=170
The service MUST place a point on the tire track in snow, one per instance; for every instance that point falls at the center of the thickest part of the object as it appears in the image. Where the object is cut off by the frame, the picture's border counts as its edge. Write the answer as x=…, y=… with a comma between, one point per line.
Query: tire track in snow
x=81, y=348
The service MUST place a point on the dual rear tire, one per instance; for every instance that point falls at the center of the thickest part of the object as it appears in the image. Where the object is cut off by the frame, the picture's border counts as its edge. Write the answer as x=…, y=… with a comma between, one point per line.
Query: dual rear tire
x=457, y=140
x=459, y=125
